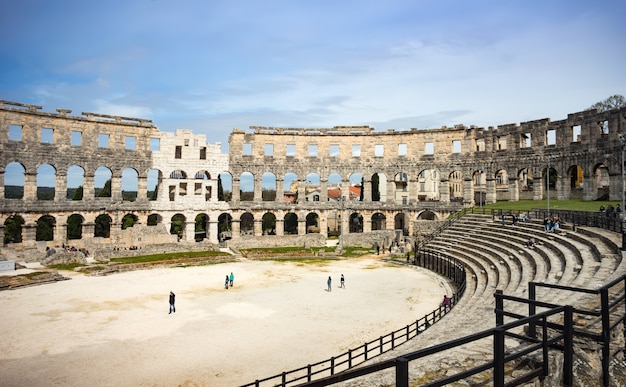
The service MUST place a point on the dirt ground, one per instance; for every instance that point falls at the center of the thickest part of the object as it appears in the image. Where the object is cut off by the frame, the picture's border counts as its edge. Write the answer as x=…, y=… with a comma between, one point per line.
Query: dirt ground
x=116, y=330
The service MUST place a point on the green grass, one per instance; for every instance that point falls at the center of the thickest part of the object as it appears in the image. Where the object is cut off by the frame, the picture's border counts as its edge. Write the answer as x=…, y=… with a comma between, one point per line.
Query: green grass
x=170, y=256
x=527, y=205
x=66, y=266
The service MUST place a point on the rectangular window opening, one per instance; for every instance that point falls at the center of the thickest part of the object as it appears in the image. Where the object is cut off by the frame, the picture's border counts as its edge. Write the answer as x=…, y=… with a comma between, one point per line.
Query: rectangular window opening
x=429, y=148
x=131, y=142
x=103, y=140
x=155, y=144
x=247, y=149
x=312, y=150
x=203, y=153
x=356, y=150
x=15, y=132
x=456, y=146
x=551, y=137
x=379, y=150
x=47, y=135
x=76, y=138
x=269, y=150
x=402, y=150
x=291, y=150
x=179, y=152
x=576, y=133
x=334, y=150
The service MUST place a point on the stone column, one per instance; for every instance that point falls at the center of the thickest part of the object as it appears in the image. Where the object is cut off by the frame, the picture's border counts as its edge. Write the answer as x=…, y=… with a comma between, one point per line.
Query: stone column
x=258, y=227
x=162, y=191
x=2, y=187
x=142, y=188
x=367, y=189
x=190, y=230
x=116, y=188
x=213, y=233
x=367, y=224
x=280, y=227
x=345, y=189
x=444, y=191
x=391, y=191
x=324, y=190
x=88, y=187
x=490, y=196
x=29, y=234
x=235, y=229
x=538, y=193
x=213, y=189
x=60, y=234
x=301, y=226
x=60, y=187
x=258, y=189
x=301, y=191
x=235, y=194
x=513, y=189
x=30, y=186
x=563, y=188
x=323, y=223
x=89, y=229
x=280, y=190
x=590, y=187
x=468, y=191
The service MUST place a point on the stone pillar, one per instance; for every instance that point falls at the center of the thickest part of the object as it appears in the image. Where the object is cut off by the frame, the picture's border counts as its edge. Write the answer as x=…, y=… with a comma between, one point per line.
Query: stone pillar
x=60, y=188
x=590, y=187
x=391, y=191
x=323, y=223
x=538, y=188
x=301, y=226
x=89, y=230
x=258, y=227
x=301, y=191
x=212, y=232
x=513, y=189
x=563, y=189
x=444, y=191
x=468, y=191
x=324, y=190
x=490, y=196
x=367, y=224
x=29, y=234
x=142, y=188
x=345, y=189
x=116, y=188
x=615, y=187
x=2, y=186
x=213, y=189
x=280, y=227
x=190, y=230
x=258, y=189
x=235, y=229
x=236, y=187
x=88, y=190
x=162, y=191
x=59, y=234
x=280, y=190
x=30, y=186
x=367, y=189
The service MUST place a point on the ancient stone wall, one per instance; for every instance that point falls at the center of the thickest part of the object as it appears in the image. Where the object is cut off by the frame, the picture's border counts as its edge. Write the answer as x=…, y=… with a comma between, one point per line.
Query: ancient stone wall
x=340, y=180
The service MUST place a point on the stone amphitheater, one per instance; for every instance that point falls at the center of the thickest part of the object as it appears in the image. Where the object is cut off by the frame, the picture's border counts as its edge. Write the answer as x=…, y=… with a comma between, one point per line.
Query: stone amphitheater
x=298, y=186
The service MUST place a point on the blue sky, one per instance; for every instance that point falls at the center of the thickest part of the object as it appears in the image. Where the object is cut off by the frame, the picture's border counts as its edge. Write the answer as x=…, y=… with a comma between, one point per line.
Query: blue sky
x=212, y=66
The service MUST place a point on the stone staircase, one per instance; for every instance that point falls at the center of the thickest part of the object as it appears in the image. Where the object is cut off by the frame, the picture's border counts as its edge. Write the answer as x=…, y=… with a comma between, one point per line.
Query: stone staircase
x=496, y=258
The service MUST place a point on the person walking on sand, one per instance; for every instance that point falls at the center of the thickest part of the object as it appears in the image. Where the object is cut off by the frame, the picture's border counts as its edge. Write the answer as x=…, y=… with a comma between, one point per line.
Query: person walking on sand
x=343, y=282
x=172, y=302
x=329, y=282
x=226, y=282
x=232, y=279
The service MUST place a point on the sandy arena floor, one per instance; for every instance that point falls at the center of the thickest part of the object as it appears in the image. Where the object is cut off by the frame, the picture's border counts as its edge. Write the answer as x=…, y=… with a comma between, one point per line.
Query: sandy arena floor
x=116, y=330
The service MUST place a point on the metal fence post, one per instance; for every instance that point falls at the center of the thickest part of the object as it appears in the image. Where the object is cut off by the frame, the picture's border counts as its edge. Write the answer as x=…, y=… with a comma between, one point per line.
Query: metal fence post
x=498, y=357
x=402, y=372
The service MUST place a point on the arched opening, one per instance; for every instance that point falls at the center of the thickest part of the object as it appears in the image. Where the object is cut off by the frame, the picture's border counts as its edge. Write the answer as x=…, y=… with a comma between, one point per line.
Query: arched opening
x=14, y=181
x=75, y=181
x=178, y=226
x=130, y=184
x=291, y=224
x=75, y=227
x=246, y=224
x=200, y=228
x=46, y=182
x=154, y=219
x=224, y=226
x=102, y=226
x=269, y=224
x=129, y=220
x=312, y=223
x=13, y=229
x=356, y=223
x=378, y=221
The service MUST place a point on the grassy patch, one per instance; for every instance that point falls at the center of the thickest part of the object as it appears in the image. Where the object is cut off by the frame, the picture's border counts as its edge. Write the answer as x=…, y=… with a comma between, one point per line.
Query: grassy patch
x=66, y=266
x=527, y=205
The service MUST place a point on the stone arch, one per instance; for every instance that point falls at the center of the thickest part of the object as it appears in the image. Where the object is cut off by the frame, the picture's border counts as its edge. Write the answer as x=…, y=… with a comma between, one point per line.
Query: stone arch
x=312, y=187
x=177, y=226
x=102, y=182
x=102, y=226
x=355, y=223
x=268, y=187
x=246, y=187
x=290, y=187
x=335, y=187
x=312, y=223
x=246, y=224
x=225, y=226
x=455, y=185
x=154, y=219
x=46, y=182
x=75, y=227
x=600, y=181
x=14, y=174
x=356, y=187
x=379, y=221
x=224, y=187
x=378, y=187
x=290, y=223
x=13, y=226
x=200, y=227
x=401, y=187
x=75, y=182
x=399, y=223
x=129, y=220
x=130, y=184
x=268, y=224
x=427, y=215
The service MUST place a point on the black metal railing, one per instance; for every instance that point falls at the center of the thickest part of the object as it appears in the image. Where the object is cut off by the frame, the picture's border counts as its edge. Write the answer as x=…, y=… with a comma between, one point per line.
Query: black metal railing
x=436, y=262
x=500, y=356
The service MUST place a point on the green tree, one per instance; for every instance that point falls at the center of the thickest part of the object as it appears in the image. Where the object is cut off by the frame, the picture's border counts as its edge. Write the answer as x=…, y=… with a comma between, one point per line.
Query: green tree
x=75, y=227
x=613, y=102
x=78, y=194
x=13, y=229
x=45, y=228
x=106, y=190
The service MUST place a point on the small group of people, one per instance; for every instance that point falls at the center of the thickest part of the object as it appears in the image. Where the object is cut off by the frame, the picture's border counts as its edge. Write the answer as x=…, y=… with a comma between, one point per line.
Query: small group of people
x=516, y=218
x=329, y=282
x=552, y=224
x=531, y=243
x=612, y=211
x=230, y=280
